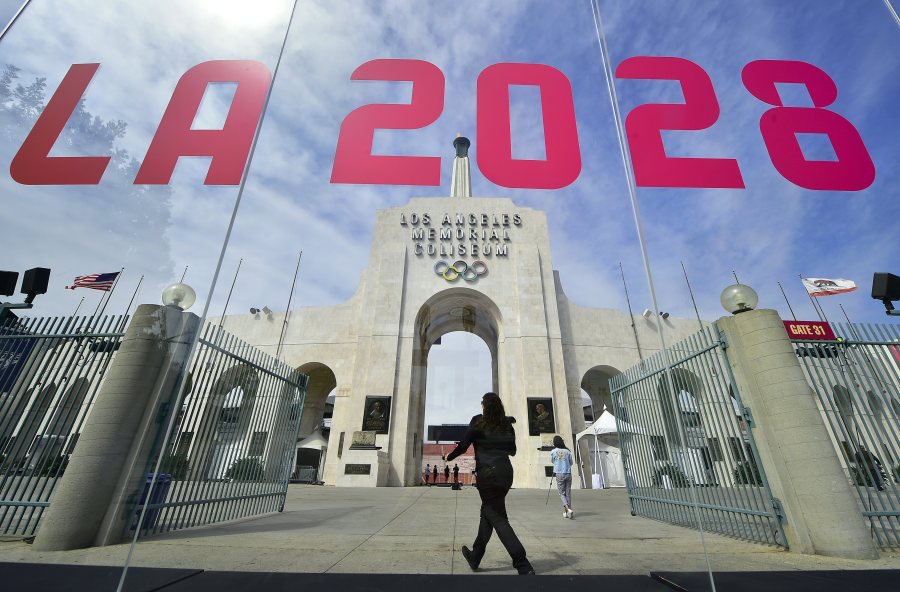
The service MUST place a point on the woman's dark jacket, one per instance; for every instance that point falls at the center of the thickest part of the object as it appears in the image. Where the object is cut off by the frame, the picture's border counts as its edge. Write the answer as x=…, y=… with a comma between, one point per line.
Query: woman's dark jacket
x=492, y=448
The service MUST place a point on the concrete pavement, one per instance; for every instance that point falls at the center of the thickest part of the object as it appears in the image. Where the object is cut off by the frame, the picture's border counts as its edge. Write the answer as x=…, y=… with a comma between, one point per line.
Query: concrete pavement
x=420, y=530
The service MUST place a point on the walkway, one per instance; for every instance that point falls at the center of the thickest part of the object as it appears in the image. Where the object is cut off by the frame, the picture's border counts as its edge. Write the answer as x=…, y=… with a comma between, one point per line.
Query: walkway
x=419, y=530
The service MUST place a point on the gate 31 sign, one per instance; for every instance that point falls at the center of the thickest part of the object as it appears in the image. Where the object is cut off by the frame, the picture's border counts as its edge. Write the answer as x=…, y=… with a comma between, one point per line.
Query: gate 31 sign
x=852, y=170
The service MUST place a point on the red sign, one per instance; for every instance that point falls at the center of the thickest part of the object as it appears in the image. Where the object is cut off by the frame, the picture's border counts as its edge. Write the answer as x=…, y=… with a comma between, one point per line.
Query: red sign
x=807, y=330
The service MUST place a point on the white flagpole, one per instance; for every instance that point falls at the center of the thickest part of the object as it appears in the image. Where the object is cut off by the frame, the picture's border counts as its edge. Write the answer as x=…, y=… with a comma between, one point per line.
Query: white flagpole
x=237, y=203
x=13, y=19
x=635, y=208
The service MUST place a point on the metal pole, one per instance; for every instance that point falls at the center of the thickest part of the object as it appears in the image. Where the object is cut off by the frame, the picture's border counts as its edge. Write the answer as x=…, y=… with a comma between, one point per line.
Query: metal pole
x=13, y=19
x=227, y=300
x=691, y=292
x=288, y=311
x=811, y=299
x=630, y=315
x=893, y=12
x=78, y=307
x=237, y=202
x=113, y=289
x=133, y=296
x=635, y=207
x=786, y=301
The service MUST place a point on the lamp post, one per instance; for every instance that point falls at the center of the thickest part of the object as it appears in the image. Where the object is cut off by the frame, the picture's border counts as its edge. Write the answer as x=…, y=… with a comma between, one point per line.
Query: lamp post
x=738, y=298
x=180, y=296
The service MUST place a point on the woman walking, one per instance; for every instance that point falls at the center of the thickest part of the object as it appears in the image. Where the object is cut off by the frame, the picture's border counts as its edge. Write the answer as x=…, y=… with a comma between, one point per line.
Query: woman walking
x=495, y=441
x=562, y=470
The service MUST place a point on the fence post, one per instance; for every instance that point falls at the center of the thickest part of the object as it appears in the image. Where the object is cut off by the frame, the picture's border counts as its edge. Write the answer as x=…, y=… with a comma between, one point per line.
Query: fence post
x=794, y=445
x=95, y=499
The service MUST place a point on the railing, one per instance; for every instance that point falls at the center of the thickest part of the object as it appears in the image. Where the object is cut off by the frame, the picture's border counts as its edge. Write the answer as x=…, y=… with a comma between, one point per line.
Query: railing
x=686, y=446
x=857, y=384
x=304, y=474
x=233, y=443
x=50, y=371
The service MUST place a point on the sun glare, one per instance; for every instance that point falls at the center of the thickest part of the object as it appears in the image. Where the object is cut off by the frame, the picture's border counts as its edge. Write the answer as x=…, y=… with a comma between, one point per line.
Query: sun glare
x=240, y=13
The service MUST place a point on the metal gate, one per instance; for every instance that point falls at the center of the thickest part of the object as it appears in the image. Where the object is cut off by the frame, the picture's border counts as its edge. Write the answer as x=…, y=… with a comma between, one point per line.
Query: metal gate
x=233, y=442
x=50, y=370
x=686, y=445
x=857, y=383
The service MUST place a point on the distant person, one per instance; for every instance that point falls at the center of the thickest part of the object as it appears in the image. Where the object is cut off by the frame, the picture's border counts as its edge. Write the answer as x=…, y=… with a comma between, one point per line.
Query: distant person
x=495, y=441
x=562, y=470
x=427, y=472
x=434, y=474
x=456, y=473
x=446, y=474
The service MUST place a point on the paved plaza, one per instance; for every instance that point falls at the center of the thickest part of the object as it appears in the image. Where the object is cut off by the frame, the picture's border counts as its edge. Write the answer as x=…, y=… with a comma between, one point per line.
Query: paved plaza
x=420, y=530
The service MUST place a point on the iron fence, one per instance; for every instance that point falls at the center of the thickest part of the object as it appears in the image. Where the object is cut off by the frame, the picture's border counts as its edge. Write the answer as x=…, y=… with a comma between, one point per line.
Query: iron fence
x=232, y=450
x=857, y=383
x=686, y=445
x=50, y=371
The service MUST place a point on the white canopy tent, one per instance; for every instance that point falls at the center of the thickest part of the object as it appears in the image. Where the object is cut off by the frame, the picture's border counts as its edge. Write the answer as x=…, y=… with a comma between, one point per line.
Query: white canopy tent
x=315, y=441
x=608, y=469
x=608, y=424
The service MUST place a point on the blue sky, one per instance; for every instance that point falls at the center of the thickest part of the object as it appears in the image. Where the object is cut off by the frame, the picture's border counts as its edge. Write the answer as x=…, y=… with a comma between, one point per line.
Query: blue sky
x=769, y=232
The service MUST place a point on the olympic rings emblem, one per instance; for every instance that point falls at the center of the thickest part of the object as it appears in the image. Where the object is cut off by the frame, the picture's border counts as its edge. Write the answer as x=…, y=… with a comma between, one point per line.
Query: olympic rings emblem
x=460, y=269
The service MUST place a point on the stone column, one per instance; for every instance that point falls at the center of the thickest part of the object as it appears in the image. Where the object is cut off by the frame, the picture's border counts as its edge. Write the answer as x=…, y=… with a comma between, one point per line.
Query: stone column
x=794, y=445
x=94, y=501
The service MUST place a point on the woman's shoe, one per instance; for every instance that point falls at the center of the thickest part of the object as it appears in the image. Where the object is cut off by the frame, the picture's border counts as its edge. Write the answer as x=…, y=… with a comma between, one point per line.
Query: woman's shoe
x=571, y=514
x=467, y=553
x=527, y=572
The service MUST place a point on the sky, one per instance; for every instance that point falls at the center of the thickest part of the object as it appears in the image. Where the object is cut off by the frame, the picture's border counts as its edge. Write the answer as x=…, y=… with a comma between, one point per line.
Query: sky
x=771, y=231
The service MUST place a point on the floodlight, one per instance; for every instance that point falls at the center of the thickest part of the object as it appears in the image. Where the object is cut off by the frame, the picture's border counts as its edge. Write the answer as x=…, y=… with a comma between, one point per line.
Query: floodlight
x=886, y=287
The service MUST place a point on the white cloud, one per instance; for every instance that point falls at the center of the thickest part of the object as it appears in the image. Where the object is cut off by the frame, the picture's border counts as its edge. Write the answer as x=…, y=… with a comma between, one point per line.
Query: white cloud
x=769, y=232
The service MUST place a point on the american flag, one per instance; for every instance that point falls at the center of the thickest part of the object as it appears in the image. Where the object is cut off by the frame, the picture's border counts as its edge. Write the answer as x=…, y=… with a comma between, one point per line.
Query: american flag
x=97, y=281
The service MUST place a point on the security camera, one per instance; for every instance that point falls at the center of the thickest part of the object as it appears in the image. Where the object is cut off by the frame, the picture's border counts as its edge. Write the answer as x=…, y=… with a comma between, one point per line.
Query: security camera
x=664, y=315
x=254, y=311
x=267, y=311
x=647, y=312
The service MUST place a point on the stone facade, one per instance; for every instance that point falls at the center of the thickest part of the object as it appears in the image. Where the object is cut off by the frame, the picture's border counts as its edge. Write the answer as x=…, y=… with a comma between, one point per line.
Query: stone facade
x=377, y=343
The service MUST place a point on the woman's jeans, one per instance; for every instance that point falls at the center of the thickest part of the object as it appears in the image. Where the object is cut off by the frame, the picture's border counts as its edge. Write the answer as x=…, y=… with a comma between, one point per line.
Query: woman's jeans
x=493, y=485
x=564, y=487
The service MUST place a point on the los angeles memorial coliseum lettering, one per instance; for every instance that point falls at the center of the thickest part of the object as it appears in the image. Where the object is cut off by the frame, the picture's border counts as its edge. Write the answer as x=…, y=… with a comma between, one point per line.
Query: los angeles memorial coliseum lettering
x=460, y=235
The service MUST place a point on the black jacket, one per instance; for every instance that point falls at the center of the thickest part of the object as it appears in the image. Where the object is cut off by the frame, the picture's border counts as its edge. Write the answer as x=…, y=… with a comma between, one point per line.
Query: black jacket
x=492, y=449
